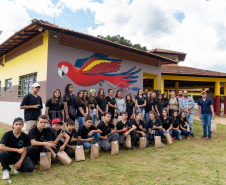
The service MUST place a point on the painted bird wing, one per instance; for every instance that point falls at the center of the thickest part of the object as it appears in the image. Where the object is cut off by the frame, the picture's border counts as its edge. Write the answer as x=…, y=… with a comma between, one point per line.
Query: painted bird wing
x=99, y=65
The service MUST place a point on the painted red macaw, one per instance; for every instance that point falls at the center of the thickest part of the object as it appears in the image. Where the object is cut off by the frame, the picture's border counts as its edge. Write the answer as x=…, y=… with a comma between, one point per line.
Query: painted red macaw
x=92, y=70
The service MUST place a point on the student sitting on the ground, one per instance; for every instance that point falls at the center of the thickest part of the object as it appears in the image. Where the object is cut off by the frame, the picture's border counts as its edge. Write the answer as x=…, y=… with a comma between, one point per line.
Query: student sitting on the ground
x=139, y=124
x=38, y=136
x=125, y=128
x=184, y=126
x=13, y=150
x=73, y=138
x=154, y=126
x=57, y=136
x=88, y=133
x=166, y=122
x=108, y=132
x=175, y=129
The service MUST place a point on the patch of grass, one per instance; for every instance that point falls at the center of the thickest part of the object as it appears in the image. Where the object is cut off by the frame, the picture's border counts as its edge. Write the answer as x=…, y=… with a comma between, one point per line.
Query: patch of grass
x=194, y=161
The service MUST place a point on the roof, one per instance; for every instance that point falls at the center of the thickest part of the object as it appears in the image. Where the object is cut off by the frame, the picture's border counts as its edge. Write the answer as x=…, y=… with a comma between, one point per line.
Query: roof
x=38, y=26
x=169, y=52
x=172, y=69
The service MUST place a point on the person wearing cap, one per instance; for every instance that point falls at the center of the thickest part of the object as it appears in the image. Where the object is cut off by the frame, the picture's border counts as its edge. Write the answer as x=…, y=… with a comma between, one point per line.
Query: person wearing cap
x=92, y=105
x=32, y=105
x=13, y=150
x=206, y=113
x=187, y=104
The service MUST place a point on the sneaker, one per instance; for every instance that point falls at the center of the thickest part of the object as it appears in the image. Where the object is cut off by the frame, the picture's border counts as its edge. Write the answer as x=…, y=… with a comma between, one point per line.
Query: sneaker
x=209, y=137
x=204, y=136
x=5, y=175
x=133, y=148
x=172, y=138
x=192, y=135
x=16, y=171
x=162, y=145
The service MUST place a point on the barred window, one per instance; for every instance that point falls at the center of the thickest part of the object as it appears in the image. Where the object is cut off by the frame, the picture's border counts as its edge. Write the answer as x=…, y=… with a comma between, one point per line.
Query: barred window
x=8, y=84
x=25, y=83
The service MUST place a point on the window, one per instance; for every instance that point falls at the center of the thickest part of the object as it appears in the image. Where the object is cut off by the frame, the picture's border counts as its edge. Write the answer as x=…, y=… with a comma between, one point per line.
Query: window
x=8, y=84
x=25, y=83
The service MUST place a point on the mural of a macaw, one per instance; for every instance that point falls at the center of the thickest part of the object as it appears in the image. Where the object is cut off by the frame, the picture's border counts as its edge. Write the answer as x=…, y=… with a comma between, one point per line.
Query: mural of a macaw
x=97, y=68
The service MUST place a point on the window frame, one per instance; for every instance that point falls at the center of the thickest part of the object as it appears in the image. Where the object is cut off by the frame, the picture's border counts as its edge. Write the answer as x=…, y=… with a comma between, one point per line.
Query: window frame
x=6, y=85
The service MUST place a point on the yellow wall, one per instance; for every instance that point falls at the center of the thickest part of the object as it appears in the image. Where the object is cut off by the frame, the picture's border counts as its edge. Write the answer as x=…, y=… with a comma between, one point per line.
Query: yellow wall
x=32, y=61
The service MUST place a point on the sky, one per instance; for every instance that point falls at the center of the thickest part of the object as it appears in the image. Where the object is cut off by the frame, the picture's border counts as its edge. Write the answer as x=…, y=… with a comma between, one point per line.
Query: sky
x=195, y=27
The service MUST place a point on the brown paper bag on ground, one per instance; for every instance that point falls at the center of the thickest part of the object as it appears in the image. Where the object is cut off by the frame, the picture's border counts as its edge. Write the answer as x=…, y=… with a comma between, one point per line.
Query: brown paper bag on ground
x=96, y=123
x=158, y=143
x=79, y=153
x=143, y=142
x=45, y=161
x=128, y=141
x=168, y=138
x=114, y=148
x=214, y=126
x=115, y=121
x=94, y=153
x=64, y=158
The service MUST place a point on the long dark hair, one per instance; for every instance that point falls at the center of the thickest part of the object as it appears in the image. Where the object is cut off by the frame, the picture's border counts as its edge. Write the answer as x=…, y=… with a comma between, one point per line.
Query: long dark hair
x=161, y=115
x=161, y=99
x=53, y=98
x=83, y=101
x=66, y=91
x=116, y=95
x=177, y=118
x=98, y=94
x=139, y=91
x=184, y=119
x=164, y=95
x=85, y=98
x=131, y=100
x=148, y=99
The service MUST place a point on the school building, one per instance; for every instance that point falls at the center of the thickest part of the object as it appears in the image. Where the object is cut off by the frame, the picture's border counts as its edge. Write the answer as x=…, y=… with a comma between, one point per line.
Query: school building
x=54, y=56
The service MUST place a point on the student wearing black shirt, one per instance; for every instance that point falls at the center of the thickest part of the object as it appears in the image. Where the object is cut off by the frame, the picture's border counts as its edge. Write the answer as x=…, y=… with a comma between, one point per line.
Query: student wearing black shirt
x=32, y=105
x=149, y=107
x=82, y=108
x=139, y=124
x=166, y=102
x=125, y=128
x=140, y=103
x=38, y=136
x=13, y=150
x=167, y=123
x=130, y=107
x=92, y=105
x=112, y=107
x=55, y=106
x=88, y=133
x=102, y=104
x=154, y=126
x=159, y=105
x=73, y=138
x=108, y=132
x=69, y=100
x=184, y=126
x=175, y=129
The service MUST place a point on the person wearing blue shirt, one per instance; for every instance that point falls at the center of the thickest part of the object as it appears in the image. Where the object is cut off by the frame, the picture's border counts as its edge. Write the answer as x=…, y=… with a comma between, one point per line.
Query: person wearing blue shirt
x=206, y=113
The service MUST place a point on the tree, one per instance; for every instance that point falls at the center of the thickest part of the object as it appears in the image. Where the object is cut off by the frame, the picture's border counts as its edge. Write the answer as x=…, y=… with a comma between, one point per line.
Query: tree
x=121, y=40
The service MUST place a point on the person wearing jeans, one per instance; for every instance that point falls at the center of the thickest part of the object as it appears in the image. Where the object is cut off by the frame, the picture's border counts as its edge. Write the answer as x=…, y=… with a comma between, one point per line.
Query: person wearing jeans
x=82, y=108
x=206, y=114
x=140, y=103
x=108, y=133
x=175, y=129
x=88, y=133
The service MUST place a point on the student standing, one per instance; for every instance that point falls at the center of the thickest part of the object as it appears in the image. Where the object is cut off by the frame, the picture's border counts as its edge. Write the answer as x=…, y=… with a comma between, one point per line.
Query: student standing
x=108, y=132
x=111, y=103
x=102, y=104
x=88, y=133
x=82, y=108
x=130, y=107
x=120, y=103
x=55, y=106
x=176, y=129
x=32, y=103
x=174, y=104
x=69, y=100
x=180, y=94
x=149, y=107
x=125, y=128
x=184, y=126
x=206, y=113
x=92, y=104
x=166, y=102
x=159, y=105
x=86, y=98
x=13, y=150
x=140, y=103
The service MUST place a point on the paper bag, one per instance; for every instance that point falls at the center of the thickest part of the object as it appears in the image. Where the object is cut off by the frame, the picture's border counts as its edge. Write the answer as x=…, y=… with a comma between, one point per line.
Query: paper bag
x=64, y=158
x=94, y=153
x=114, y=147
x=143, y=142
x=79, y=153
x=45, y=161
x=158, y=143
x=128, y=141
x=115, y=121
x=168, y=138
x=96, y=123
x=213, y=126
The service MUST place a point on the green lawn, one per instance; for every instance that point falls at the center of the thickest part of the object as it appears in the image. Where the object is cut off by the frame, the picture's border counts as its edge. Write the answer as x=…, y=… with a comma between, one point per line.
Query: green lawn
x=195, y=161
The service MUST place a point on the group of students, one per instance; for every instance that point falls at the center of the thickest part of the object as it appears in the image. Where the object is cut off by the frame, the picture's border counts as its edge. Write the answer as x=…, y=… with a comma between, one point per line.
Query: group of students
x=45, y=131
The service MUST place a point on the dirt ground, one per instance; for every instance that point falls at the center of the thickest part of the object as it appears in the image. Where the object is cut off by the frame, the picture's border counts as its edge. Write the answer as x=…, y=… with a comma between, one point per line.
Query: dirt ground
x=218, y=119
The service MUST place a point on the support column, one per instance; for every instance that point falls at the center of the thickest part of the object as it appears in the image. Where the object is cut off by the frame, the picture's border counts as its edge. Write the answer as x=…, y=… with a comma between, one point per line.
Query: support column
x=176, y=88
x=224, y=98
x=162, y=85
x=217, y=101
